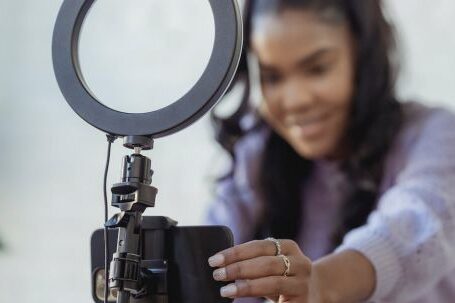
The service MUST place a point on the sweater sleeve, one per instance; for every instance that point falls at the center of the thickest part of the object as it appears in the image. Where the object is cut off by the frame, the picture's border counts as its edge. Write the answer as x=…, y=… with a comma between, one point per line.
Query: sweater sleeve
x=410, y=237
x=237, y=204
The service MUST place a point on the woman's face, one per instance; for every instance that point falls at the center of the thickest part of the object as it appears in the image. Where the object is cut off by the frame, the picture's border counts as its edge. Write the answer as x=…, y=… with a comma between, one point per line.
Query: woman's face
x=307, y=77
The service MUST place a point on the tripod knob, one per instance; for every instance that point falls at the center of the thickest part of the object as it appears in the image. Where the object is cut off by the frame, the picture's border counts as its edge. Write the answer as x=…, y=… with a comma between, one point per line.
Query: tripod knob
x=137, y=168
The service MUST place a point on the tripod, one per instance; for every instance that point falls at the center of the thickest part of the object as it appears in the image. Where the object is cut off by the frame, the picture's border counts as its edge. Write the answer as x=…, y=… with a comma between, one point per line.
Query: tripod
x=129, y=274
x=155, y=260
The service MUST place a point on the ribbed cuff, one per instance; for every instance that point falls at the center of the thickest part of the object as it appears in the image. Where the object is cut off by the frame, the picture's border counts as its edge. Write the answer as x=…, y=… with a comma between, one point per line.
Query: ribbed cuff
x=381, y=254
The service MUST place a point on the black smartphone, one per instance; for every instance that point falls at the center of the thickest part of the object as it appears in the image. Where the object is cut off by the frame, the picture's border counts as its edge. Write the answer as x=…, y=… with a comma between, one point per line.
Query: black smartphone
x=186, y=251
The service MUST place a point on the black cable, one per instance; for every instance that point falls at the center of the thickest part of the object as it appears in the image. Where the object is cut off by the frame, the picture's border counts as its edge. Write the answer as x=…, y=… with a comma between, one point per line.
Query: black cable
x=110, y=140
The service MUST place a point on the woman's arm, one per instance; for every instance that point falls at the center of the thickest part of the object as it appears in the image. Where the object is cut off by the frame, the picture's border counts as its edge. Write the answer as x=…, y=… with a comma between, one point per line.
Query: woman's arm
x=410, y=237
x=342, y=277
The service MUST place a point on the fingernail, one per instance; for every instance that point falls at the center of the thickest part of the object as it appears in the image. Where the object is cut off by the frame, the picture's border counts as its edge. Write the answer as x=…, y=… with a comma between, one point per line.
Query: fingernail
x=220, y=274
x=216, y=260
x=228, y=291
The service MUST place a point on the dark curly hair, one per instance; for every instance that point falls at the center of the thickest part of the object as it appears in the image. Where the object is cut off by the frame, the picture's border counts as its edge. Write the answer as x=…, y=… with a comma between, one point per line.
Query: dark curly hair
x=376, y=115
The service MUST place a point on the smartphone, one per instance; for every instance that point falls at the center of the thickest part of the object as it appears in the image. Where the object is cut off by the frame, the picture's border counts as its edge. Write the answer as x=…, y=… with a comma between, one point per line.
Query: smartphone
x=185, y=249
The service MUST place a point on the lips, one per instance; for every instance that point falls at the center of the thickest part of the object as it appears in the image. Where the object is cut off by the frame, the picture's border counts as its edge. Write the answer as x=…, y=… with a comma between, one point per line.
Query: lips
x=308, y=126
x=304, y=120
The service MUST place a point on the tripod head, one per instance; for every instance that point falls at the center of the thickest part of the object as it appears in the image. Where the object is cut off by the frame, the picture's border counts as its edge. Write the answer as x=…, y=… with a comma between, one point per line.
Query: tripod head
x=134, y=192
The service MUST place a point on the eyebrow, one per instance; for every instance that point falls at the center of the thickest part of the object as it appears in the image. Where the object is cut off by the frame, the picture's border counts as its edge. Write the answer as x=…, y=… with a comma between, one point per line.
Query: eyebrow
x=304, y=61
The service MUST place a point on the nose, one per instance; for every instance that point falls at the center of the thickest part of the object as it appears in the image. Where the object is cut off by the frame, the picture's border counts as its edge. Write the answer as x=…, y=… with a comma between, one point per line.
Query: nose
x=296, y=97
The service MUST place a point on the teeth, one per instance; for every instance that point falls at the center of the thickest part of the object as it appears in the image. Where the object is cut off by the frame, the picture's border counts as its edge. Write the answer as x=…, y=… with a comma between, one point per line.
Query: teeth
x=295, y=121
x=309, y=121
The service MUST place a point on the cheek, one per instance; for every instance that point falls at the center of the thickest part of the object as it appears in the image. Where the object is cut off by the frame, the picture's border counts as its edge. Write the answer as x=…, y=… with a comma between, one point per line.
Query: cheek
x=339, y=102
x=272, y=115
x=336, y=90
x=272, y=100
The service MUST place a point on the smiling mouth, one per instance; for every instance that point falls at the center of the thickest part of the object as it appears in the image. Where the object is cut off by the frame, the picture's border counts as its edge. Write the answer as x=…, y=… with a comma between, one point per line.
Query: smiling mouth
x=308, y=127
x=306, y=121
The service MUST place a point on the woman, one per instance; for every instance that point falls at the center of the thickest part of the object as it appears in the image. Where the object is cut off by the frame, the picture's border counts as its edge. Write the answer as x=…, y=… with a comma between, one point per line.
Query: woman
x=358, y=188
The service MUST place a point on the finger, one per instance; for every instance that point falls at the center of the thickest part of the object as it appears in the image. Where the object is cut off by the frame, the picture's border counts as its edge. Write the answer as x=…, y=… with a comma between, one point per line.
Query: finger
x=273, y=299
x=252, y=249
x=252, y=269
x=265, y=287
x=242, y=252
x=263, y=267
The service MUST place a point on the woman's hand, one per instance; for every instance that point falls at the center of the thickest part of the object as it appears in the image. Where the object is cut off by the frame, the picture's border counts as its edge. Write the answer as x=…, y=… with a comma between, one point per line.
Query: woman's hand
x=259, y=272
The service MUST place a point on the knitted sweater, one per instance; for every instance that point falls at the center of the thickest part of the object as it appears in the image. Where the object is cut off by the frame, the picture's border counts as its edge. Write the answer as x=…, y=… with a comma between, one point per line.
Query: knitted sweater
x=409, y=238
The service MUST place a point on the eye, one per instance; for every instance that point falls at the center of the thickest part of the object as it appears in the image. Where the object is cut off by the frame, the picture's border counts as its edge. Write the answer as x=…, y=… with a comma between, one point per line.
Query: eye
x=318, y=70
x=270, y=78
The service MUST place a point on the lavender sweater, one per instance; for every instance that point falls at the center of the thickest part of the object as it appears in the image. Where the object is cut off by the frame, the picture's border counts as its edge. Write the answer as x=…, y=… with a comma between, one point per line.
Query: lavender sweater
x=409, y=237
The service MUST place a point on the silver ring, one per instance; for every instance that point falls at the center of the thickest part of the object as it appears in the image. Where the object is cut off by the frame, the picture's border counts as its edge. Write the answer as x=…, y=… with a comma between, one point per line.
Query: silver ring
x=287, y=264
x=277, y=245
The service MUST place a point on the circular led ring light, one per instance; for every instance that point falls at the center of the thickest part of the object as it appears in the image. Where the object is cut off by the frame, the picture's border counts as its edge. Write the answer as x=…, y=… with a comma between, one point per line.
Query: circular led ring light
x=178, y=115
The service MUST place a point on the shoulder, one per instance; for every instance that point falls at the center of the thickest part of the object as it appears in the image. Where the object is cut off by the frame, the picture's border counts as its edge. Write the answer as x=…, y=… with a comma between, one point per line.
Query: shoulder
x=426, y=140
x=424, y=125
x=419, y=119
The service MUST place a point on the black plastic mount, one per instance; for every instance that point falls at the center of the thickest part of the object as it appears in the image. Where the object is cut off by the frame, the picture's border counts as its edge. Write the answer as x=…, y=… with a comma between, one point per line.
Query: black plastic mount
x=194, y=104
x=130, y=274
x=144, y=143
x=134, y=192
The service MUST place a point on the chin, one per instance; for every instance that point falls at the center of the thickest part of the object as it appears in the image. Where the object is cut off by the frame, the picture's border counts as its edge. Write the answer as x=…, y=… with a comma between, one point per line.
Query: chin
x=312, y=151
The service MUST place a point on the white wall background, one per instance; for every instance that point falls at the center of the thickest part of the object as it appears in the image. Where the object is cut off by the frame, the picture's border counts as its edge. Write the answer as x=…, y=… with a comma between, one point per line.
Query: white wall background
x=51, y=162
